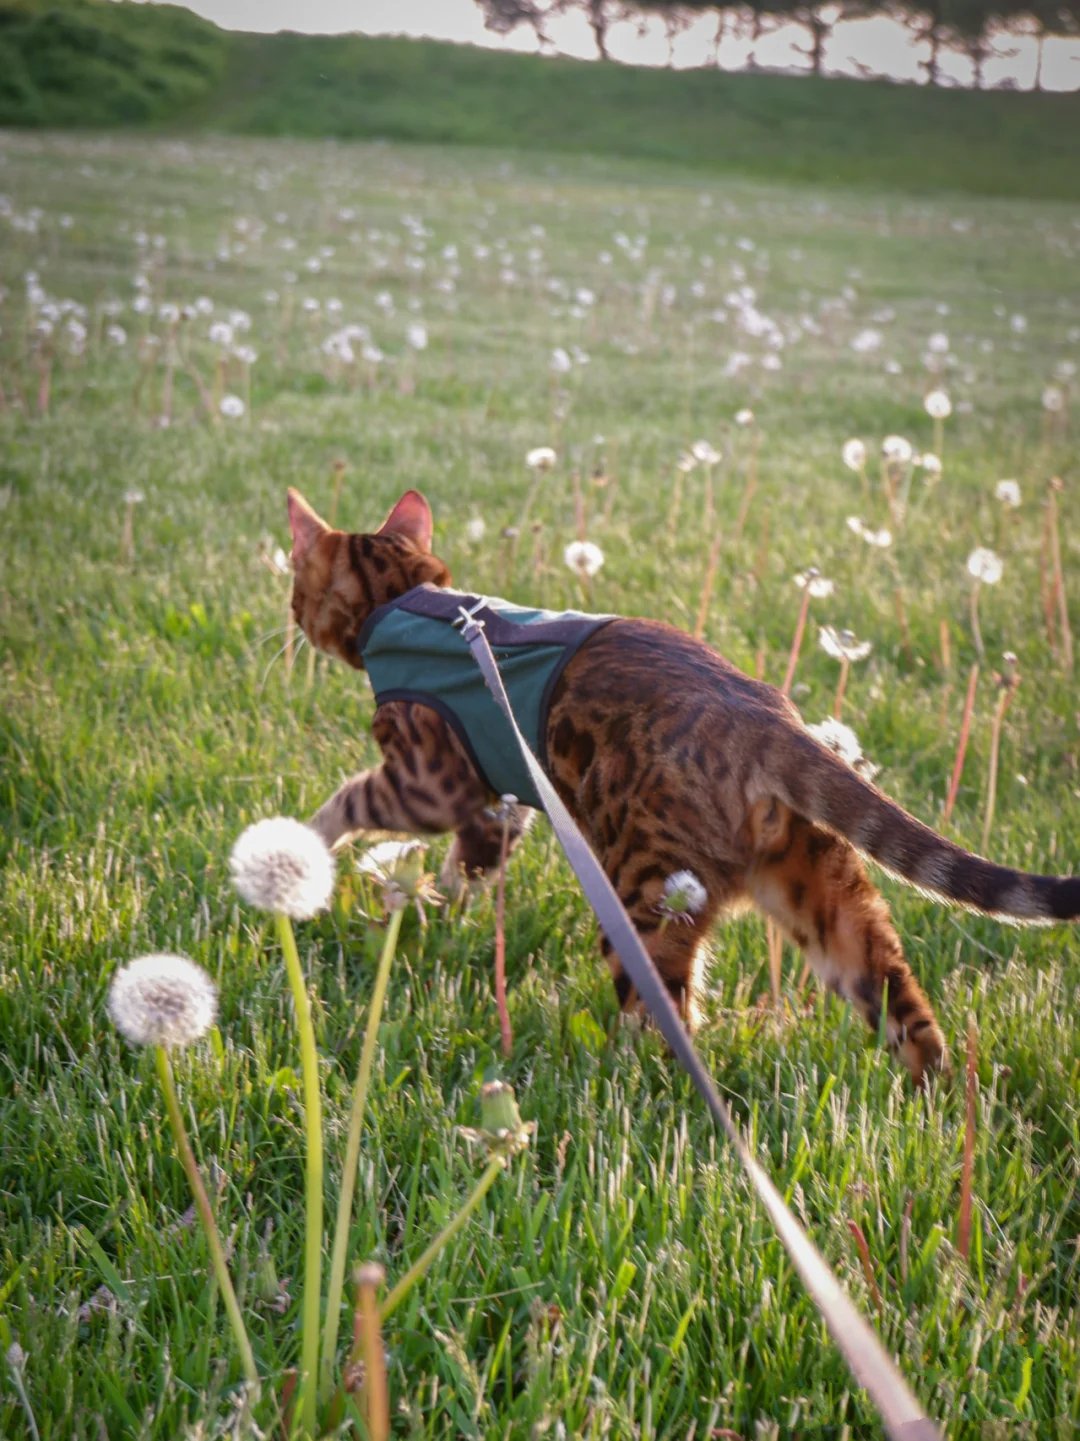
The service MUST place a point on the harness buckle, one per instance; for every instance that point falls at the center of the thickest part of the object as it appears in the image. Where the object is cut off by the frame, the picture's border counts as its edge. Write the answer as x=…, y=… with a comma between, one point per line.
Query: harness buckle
x=467, y=619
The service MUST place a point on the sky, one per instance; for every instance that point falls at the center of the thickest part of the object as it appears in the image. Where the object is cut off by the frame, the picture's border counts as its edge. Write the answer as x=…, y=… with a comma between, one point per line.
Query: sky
x=879, y=44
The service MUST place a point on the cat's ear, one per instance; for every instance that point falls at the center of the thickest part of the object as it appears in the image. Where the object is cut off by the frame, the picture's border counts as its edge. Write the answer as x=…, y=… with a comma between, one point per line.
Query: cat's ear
x=305, y=525
x=410, y=517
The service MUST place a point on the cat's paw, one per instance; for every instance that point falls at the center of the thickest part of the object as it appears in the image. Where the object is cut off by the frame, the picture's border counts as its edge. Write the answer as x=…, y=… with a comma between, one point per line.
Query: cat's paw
x=459, y=887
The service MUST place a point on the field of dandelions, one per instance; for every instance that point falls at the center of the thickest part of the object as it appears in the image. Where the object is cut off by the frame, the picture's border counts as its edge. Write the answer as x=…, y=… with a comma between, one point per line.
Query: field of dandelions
x=629, y=389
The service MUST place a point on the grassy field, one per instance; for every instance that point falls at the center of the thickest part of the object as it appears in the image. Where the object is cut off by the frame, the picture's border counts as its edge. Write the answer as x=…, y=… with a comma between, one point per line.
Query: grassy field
x=99, y=63
x=618, y=1281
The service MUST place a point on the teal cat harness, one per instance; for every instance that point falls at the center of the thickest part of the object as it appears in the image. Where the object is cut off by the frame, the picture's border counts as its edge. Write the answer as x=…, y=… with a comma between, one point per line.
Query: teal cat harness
x=413, y=649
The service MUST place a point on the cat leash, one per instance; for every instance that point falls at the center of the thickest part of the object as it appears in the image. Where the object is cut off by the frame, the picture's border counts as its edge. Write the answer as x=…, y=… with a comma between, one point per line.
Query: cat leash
x=901, y=1415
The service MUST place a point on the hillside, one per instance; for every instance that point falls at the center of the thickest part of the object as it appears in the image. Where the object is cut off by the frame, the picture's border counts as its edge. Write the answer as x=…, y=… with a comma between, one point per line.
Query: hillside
x=91, y=63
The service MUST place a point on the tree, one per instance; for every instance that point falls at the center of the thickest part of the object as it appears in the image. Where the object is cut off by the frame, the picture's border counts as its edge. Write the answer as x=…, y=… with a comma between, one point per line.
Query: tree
x=502, y=16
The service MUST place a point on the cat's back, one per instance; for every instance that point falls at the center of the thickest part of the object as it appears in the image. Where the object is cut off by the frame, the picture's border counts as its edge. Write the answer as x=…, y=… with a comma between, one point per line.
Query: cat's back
x=649, y=665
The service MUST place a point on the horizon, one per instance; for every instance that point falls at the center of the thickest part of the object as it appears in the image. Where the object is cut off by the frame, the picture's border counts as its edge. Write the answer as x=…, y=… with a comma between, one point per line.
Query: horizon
x=878, y=45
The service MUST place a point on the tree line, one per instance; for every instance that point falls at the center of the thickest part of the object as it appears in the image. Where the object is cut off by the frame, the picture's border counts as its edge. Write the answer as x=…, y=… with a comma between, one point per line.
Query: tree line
x=968, y=26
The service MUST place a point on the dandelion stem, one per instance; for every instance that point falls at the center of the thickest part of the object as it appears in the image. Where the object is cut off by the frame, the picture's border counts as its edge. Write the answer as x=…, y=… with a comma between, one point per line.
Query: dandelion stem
x=206, y=1213
x=1059, y=581
x=841, y=686
x=980, y=650
x=961, y=745
x=352, y=1152
x=796, y=643
x=417, y=1269
x=676, y=505
x=309, y=1064
x=864, y=1256
x=963, y=1225
x=751, y=484
x=707, y=587
x=505, y=1031
x=1005, y=696
x=375, y=1387
x=775, y=939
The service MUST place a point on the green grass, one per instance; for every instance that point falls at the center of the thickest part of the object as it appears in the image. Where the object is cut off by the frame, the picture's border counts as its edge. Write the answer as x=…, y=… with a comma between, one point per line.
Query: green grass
x=98, y=63
x=619, y=1281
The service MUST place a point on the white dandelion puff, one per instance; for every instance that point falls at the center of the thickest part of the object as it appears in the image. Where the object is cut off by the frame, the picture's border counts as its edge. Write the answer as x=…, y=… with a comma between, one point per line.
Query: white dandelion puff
x=938, y=405
x=1008, y=492
x=1053, y=399
x=162, y=1000
x=541, y=457
x=704, y=453
x=744, y=417
x=283, y=866
x=897, y=449
x=417, y=336
x=985, y=565
x=232, y=407
x=812, y=580
x=843, y=644
x=583, y=557
x=853, y=454
x=683, y=896
x=560, y=361
x=475, y=528
x=839, y=738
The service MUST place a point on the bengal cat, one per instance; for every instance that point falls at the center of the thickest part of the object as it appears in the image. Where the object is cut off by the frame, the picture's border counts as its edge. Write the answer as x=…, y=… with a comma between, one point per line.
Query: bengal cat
x=670, y=760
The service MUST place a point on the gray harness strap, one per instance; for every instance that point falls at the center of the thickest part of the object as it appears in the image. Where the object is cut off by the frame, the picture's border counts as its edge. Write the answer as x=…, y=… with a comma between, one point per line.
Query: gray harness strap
x=871, y=1365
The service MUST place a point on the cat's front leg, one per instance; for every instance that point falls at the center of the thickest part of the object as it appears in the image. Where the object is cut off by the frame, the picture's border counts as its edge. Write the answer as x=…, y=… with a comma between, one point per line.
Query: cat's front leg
x=474, y=856
x=425, y=785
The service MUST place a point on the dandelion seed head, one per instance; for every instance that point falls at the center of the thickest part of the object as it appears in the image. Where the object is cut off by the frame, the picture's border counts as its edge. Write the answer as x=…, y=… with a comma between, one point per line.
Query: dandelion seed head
x=812, y=580
x=839, y=738
x=684, y=895
x=704, y=453
x=281, y=865
x=985, y=565
x=931, y=464
x=938, y=405
x=853, y=454
x=560, y=361
x=896, y=449
x=1008, y=492
x=542, y=457
x=232, y=407
x=1053, y=399
x=583, y=557
x=133, y=497
x=843, y=644
x=417, y=336
x=475, y=528
x=744, y=417
x=162, y=1000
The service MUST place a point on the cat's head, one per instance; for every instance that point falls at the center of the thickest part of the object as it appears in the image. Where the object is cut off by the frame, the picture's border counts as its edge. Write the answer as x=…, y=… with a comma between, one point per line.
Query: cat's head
x=339, y=578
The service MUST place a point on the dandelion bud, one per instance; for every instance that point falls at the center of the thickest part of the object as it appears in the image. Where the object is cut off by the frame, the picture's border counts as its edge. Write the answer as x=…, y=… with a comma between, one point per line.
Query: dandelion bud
x=501, y=1129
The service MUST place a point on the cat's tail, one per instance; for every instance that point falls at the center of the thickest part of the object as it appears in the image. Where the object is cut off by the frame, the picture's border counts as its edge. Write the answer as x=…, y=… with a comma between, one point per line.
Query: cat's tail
x=819, y=785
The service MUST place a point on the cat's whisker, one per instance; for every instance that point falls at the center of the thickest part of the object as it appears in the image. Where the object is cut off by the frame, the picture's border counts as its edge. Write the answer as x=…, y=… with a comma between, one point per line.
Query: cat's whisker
x=299, y=640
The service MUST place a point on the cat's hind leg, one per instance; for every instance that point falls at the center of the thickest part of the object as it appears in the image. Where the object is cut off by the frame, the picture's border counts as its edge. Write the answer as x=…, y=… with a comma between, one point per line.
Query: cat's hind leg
x=675, y=940
x=812, y=882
